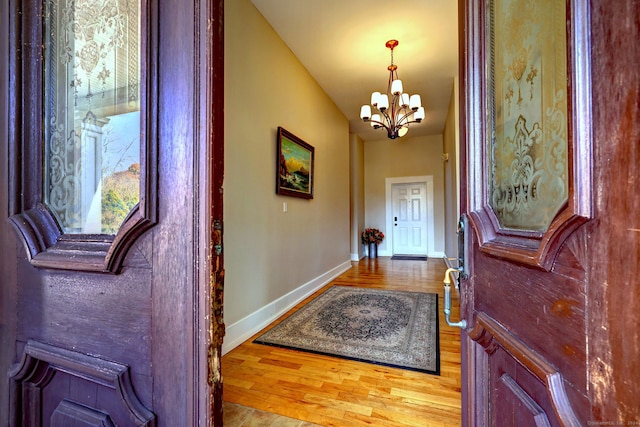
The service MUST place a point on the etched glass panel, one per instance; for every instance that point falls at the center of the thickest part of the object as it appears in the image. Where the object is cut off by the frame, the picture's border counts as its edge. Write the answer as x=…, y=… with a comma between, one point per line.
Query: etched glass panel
x=92, y=112
x=528, y=107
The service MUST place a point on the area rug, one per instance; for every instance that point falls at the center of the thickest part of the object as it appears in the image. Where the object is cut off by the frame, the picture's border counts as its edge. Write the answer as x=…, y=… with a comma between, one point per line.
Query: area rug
x=391, y=328
x=409, y=257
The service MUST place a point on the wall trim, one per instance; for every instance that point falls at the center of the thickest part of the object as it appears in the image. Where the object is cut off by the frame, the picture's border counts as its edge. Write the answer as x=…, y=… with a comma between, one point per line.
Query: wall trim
x=245, y=328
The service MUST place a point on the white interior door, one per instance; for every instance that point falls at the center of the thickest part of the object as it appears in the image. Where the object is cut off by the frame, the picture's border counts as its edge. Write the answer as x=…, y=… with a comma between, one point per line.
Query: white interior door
x=409, y=210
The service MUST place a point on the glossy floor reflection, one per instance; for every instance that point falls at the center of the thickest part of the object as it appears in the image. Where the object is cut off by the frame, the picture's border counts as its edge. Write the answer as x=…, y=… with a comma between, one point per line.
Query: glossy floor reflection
x=330, y=391
x=242, y=416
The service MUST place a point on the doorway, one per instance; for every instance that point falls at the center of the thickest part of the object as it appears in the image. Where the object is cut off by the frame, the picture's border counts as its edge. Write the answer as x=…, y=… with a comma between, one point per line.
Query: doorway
x=409, y=215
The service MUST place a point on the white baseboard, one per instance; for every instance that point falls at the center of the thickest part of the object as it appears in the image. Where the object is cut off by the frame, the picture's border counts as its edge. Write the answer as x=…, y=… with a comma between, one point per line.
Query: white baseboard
x=356, y=257
x=245, y=328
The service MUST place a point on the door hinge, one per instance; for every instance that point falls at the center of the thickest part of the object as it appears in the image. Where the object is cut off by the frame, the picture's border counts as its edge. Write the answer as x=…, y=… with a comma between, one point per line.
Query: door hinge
x=216, y=295
x=216, y=237
x=213, y=364
x=216, y=328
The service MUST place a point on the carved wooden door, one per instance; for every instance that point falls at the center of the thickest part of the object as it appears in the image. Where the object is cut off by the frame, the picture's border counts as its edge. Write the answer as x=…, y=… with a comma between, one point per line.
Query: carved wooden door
x=111, y=227
x=550, y=154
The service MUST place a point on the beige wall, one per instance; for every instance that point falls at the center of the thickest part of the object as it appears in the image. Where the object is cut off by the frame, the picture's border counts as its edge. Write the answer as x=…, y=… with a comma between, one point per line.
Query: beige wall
x=269, y=253
x=452, y=185
x=418, y=156
x=356, y=146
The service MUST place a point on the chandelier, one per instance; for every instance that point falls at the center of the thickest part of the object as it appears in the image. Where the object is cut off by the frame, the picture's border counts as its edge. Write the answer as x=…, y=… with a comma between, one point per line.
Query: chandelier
x=393, y=110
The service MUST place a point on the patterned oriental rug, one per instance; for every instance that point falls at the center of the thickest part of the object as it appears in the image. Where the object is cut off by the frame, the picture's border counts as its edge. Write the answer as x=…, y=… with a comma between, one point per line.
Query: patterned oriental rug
x=391, y=328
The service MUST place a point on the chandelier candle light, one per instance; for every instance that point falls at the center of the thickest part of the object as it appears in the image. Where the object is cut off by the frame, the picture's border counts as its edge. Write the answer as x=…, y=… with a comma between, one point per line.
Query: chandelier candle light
x=396, y=116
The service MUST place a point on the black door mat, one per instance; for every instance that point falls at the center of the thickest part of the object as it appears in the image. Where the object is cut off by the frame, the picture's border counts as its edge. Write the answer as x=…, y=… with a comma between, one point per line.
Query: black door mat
x=409, y=257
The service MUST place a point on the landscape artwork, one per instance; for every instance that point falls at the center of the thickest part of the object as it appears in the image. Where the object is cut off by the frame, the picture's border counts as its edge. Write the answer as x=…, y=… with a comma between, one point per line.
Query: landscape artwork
x=294, y=175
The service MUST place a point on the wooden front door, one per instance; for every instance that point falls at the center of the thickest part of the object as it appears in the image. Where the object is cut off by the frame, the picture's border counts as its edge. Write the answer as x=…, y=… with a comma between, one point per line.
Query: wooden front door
x=111, y=267
x=550, y=135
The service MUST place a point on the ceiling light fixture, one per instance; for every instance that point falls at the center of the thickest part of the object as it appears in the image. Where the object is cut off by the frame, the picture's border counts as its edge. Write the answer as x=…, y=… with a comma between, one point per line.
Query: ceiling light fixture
x=394, y=116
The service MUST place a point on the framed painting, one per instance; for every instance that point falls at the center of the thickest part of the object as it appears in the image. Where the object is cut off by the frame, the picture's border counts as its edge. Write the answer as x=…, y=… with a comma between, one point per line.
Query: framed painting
x=294, y=171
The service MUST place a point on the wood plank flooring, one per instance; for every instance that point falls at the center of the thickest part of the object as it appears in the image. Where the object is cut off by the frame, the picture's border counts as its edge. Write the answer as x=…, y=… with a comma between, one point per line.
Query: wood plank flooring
x=329, y=391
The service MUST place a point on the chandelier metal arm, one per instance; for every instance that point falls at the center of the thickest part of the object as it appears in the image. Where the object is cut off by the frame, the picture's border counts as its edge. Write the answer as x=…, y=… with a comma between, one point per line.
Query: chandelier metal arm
x=389, y=121
x=392, y=128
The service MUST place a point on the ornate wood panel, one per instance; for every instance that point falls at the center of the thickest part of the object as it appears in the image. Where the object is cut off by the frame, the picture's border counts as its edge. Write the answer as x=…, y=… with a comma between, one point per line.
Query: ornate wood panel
x=510, y=180
x=130, y=347
x=525, y=386
x=59, y=387
x=527, y=181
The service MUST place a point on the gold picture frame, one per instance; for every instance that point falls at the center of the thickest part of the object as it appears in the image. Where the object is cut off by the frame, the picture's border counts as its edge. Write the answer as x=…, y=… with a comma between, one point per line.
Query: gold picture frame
x=295, y=166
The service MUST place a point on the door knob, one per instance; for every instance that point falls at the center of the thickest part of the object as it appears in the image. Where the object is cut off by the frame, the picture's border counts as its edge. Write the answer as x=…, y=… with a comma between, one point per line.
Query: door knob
x=461, y=269
x=462, y=324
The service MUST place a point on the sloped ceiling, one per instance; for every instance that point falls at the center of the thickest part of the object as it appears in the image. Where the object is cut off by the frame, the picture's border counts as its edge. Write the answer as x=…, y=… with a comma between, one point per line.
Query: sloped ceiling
x=342, y=45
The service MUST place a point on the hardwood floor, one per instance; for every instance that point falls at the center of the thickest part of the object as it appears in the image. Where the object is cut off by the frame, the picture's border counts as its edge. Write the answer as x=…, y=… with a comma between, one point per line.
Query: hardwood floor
x=329, y=391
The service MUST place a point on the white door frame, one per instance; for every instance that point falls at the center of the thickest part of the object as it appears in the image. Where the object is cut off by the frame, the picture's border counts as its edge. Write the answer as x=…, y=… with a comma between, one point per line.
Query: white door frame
x=389, y=182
